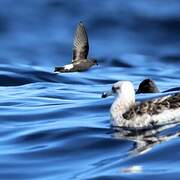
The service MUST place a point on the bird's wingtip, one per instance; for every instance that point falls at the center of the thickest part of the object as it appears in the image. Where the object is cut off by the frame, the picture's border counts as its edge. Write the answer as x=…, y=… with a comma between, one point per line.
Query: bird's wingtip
x=81, y=23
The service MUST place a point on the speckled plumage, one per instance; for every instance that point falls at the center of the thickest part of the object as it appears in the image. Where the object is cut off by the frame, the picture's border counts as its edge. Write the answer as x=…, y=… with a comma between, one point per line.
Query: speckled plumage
x=154, y=107
x=125, y=112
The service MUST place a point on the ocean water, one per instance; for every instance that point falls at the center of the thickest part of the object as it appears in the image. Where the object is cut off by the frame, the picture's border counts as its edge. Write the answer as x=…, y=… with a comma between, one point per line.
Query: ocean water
x=56, y=126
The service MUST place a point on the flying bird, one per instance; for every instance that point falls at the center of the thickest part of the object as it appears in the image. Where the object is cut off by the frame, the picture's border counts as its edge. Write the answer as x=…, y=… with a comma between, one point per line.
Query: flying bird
x=80, y=60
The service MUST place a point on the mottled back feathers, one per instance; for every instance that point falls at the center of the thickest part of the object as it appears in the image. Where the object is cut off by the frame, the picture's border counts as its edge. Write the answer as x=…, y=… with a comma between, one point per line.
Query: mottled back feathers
x=154, y=106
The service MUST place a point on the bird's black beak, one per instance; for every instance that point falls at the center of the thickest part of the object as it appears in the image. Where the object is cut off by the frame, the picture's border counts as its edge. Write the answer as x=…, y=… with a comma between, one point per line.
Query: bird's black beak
x=106, y=94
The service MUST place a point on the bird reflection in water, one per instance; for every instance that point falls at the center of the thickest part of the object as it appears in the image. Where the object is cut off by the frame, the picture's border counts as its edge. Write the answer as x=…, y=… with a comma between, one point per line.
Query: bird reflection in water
x=145, y=140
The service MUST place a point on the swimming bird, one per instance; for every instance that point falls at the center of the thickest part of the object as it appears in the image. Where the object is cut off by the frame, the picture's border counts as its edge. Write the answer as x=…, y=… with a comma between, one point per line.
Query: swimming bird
x=125, y=112
x=80, y=61
x=149, y=86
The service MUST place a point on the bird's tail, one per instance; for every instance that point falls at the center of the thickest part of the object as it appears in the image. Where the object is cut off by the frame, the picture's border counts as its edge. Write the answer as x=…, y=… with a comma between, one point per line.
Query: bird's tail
x=59, y=69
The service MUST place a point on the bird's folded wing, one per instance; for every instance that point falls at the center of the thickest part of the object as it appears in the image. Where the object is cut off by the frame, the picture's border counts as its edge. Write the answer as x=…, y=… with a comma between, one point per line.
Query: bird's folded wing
x=154, y=106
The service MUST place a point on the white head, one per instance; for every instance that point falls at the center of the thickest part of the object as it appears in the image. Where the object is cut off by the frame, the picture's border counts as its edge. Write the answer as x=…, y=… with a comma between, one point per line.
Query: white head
x=124, y=91
x=123, y=87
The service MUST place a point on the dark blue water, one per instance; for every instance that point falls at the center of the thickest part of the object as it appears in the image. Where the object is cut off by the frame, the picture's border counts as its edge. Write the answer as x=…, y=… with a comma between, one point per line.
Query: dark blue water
x=56, y=126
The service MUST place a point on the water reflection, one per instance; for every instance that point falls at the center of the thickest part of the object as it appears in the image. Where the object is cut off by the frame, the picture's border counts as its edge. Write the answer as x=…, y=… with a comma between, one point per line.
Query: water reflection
x=145, y=140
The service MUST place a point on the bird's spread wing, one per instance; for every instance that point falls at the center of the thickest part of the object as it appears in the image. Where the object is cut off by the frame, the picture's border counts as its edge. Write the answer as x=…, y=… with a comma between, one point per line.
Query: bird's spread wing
x=154, y=106
x=81, y=45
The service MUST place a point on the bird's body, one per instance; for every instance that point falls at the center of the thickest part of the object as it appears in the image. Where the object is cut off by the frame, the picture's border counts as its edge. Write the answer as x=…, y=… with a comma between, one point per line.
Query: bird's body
x=147, y=86
x=80, y=60
x=77, y=66
x=125, y=112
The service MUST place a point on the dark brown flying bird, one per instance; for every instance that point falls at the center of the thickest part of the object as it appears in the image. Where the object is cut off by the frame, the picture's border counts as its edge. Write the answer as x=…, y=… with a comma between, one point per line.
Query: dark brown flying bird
x=80, y=61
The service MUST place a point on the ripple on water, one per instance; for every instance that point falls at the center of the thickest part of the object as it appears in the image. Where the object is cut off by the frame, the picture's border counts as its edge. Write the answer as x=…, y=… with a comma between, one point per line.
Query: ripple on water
x=56, y=126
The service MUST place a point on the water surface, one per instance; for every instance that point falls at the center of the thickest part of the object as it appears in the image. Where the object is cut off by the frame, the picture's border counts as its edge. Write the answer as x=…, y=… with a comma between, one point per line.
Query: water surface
x=56, y=126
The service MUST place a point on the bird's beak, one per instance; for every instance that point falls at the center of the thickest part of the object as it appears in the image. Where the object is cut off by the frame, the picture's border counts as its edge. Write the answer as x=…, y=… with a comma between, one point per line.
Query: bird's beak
x=106, y=94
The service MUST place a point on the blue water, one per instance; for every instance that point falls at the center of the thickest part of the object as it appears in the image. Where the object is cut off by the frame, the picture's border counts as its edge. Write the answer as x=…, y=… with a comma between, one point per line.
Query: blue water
x=56, y=126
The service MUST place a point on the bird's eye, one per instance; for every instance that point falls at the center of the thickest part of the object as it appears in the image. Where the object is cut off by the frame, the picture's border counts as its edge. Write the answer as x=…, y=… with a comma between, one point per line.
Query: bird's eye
x=115, y=88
